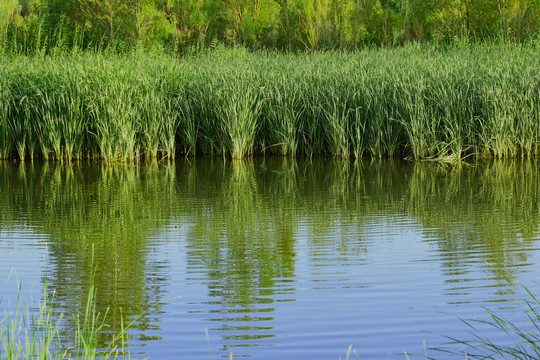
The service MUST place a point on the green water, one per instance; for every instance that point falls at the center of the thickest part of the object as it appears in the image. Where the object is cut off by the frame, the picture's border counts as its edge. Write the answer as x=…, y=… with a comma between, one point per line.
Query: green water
x=274, y=258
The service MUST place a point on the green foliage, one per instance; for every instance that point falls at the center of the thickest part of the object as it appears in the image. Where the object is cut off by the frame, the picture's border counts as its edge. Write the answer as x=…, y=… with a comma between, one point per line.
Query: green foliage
x=28, y=335
x=154, y=30
x=9, y=14
x=419, y=101
x=523, y=337
x=52, y=26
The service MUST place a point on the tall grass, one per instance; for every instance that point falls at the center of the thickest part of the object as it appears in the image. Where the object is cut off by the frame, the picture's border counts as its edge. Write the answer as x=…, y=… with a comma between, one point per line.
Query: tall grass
x=5, y=133
x=29, y=334
x=238, y=110
x=523, y=339
x=419, y=101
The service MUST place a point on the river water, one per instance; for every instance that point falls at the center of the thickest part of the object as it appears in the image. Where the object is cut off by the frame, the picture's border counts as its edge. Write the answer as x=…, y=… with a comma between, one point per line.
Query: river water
x=275, y=258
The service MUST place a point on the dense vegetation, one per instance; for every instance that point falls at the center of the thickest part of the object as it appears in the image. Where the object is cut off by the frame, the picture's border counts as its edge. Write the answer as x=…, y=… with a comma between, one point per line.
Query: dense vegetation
x=418, y=101
x=28, y=26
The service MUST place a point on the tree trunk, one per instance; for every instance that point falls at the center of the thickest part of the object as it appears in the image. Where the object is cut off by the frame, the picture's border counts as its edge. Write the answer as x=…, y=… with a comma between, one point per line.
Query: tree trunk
x=356, y=24
x=386, y=24
x=468, y=17
x=111, y=28
x=340, y=37
x=288, y=26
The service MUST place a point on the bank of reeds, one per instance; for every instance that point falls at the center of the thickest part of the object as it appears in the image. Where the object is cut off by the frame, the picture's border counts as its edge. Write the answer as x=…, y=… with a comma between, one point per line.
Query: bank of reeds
x=420, y=101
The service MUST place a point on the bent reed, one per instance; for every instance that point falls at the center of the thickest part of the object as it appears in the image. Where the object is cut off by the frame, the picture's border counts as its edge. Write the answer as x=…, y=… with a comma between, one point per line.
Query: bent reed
x=418, y=101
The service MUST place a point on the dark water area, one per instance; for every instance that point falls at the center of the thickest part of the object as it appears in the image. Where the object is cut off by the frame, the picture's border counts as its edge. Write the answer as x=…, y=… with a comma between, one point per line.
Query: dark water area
x=275, y=258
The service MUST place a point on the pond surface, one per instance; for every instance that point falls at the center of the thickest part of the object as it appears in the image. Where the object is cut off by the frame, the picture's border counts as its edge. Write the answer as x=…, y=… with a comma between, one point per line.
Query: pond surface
x=275, y=258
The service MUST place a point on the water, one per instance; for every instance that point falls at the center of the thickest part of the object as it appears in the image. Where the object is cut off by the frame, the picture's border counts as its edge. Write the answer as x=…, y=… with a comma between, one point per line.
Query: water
x=275, y=258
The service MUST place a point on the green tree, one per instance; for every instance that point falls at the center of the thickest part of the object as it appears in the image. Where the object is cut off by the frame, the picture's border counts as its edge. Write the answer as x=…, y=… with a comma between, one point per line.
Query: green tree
x=518, y=18
x=250, y=22
x=110, y=16
x=415, y=20
x=154, y=27
x=483, y=18
x=368, y=19
x=315, y=24
x=9, y=13
x=190, y=18
x=448, y=18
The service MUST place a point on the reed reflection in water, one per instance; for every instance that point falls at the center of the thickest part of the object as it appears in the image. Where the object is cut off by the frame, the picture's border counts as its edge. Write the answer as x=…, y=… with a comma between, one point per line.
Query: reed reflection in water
x=275, y=255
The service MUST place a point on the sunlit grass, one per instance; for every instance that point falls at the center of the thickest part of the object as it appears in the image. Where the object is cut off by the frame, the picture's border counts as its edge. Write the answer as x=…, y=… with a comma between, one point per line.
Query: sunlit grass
x=27, y=333
x=418, y=101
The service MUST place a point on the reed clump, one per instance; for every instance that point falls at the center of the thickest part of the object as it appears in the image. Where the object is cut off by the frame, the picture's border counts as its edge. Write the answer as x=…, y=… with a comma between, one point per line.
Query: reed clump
x=523, y=338
x=35, y=334
x=418, y=101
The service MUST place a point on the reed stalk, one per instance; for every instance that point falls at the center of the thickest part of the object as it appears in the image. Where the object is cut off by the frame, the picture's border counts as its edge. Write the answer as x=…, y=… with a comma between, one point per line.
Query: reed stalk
x=523, y=338
x=29, y=334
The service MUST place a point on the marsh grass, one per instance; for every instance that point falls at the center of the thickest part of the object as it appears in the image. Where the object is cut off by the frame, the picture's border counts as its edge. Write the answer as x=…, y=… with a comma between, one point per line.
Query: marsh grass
x=5, y=133
x=284, y=113
x=523, y=338
x=418, y=101
x=26, y=333
x=238, y=111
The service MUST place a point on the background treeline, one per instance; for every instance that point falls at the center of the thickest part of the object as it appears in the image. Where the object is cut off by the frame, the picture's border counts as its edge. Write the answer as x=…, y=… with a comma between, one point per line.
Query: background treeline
x=29, y=26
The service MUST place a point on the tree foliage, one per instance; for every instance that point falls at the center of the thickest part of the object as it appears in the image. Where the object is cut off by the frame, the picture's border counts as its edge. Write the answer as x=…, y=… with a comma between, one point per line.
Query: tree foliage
x=180, y=25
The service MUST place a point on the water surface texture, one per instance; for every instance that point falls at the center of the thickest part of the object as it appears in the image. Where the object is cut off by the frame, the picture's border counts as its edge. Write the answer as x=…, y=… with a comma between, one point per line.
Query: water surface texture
x=274, y=258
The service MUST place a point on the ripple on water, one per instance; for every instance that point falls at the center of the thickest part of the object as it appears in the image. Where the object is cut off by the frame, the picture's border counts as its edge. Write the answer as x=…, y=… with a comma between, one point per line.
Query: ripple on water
x=270, y=259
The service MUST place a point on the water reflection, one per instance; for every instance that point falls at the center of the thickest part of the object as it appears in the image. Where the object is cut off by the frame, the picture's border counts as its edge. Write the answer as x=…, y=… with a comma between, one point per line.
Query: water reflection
x=239, y=245
x=483, y=213
x=261, y=233
x=97, y=217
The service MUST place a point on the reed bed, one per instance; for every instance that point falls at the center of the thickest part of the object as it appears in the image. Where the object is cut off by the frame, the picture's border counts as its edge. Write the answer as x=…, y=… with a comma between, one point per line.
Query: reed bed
x=418, y=101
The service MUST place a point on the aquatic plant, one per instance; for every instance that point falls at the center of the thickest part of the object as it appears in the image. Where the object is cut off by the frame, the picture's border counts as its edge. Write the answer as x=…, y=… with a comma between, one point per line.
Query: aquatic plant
x=5, y=135
x=27, y=334
x=418, y=101
x=523, y=338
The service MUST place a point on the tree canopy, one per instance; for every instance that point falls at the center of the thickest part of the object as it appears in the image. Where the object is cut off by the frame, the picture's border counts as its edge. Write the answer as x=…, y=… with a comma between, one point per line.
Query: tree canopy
x=179, y=25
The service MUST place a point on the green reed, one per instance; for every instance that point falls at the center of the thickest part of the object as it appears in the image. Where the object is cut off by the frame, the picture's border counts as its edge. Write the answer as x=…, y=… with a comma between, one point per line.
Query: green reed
x=5, y=135
x=522, y=342
x=29, y=334
x=238, y=110
x=284, y=113
x=419, y=101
